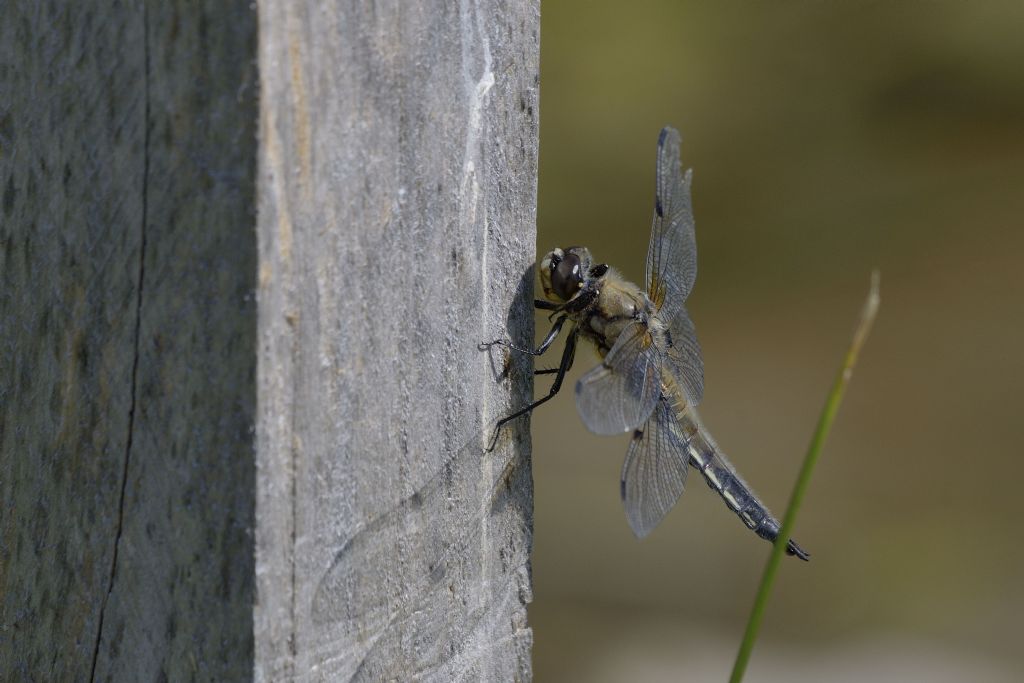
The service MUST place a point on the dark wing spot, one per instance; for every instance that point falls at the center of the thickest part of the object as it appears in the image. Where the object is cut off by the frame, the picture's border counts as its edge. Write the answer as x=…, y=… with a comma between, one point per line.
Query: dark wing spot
x=657, y=207
x=662, y=135
x=637, y=435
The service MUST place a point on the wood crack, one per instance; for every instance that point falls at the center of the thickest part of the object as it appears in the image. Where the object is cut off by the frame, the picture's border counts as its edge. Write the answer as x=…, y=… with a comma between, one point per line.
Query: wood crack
x=135, y=356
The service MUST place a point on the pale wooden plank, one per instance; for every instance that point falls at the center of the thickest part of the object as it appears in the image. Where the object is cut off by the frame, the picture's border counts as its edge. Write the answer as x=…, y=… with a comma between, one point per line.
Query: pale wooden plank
x=396, y=225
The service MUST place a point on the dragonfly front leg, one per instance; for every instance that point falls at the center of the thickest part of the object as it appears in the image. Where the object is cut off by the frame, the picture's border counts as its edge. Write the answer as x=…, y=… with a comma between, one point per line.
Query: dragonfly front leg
x=547, y=305
x=544, y=345
x=568, y=355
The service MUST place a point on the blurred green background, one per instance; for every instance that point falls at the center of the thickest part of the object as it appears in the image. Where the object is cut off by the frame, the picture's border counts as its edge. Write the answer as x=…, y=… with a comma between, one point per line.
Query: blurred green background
x=826, y=138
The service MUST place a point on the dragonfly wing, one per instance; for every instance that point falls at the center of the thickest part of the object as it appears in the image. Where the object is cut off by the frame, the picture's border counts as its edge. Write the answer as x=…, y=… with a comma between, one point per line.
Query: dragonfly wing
x=685, y=357
x=654, y=473
x=619, y=394
x=672, y=252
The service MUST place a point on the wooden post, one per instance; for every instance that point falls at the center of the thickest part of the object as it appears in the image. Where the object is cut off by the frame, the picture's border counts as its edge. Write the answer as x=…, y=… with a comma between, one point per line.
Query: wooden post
x=245, y=261
x=396, y=221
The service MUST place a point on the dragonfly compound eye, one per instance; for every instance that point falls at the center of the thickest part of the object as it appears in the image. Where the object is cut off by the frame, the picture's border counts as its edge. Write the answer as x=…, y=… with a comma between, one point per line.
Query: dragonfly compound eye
x=567, y=277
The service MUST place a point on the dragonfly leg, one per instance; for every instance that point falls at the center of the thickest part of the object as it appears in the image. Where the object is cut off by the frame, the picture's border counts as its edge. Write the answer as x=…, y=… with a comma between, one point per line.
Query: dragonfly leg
x=544, y=345
x=547, y=305
x=568, y=355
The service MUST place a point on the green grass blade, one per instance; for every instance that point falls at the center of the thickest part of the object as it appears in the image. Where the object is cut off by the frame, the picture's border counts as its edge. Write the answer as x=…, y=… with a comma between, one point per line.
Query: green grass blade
x=828, y=414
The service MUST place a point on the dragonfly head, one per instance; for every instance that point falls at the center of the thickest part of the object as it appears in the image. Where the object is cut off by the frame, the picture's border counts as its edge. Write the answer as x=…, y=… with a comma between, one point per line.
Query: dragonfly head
x=564, y=273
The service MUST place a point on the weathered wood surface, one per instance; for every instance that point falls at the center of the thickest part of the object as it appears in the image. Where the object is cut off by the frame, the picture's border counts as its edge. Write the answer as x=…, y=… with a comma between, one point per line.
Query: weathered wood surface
x=168, y=511
x=183, y=584
x=69, y=264
x=398, y=152
x=127, y=340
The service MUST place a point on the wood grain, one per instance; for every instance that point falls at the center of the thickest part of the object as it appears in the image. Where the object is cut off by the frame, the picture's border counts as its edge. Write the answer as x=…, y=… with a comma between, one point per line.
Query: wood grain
x=247, y=256
x=396, y=224
x=127, y=376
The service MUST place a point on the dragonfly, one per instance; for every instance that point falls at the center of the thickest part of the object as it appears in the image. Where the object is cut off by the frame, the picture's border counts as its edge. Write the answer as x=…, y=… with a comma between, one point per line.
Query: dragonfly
x=651, y=376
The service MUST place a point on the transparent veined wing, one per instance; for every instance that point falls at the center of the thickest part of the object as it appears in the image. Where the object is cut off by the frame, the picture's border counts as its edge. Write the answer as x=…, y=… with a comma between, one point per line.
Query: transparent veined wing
x=619, y=394
x=672, y=252
x=654, y=473
x=685, y=357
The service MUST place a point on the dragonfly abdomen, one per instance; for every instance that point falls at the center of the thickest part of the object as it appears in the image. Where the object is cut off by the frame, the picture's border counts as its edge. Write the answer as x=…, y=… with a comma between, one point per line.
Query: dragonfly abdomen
x=718, y=472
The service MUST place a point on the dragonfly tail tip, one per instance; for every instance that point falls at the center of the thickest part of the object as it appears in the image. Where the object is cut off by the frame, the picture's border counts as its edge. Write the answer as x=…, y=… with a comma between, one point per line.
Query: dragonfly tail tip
x=793, y=549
